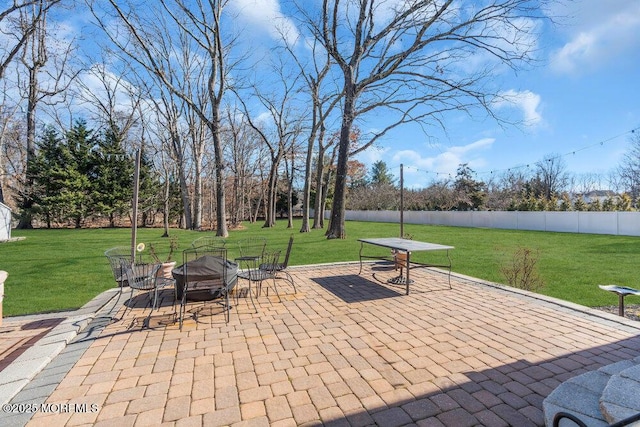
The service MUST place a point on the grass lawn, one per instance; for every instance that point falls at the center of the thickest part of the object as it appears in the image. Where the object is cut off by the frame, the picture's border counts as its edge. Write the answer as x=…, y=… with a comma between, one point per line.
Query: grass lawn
x=52, y=270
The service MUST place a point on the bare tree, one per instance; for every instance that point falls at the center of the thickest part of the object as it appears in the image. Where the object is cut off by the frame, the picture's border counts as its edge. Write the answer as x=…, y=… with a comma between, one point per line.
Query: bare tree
x=629, y=169
x=36, y=54
x=152, y=32
x=551, y=176
x=324, y=99
x=19, y=29
x=279, y=131
x=244, y=153
x=117, y=101
x=410, y=59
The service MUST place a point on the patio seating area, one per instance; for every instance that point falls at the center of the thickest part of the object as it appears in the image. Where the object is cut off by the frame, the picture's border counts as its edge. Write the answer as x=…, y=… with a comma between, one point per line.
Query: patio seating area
x=344, y=349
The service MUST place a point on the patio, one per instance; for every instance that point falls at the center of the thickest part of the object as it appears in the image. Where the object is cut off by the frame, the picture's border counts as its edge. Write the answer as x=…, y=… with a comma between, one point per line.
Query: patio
x=345, y=350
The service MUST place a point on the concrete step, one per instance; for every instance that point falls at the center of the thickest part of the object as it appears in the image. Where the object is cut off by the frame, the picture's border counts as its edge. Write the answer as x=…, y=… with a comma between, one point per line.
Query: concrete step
x=621, y=397
x=597, y=398
x=579, y=396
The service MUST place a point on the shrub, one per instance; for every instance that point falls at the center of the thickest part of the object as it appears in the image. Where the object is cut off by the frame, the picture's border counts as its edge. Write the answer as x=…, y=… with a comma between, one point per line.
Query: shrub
x=522, y=270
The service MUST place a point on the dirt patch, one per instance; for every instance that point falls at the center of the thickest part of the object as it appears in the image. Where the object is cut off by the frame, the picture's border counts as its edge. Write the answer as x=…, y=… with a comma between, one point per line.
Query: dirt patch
x=631, y=311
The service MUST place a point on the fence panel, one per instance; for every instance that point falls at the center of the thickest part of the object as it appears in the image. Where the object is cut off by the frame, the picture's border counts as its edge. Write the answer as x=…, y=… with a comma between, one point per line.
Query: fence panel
x=616, y=223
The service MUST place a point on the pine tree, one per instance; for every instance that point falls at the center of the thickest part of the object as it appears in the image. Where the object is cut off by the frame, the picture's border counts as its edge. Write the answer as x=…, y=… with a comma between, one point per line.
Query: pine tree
x=78, y=191
x=49, y=175
x=113, y=185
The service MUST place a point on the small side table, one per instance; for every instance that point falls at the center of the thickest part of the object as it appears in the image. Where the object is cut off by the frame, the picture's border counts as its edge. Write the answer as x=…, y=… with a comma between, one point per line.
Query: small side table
x=622, y=292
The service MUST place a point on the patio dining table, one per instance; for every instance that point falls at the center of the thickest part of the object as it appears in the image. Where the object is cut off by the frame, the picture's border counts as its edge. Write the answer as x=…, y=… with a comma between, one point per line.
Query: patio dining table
x=406, y=246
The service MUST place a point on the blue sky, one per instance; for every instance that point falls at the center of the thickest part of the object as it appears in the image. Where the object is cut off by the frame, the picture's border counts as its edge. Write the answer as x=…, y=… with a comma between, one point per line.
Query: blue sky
x=582, y=97
x=585, y=92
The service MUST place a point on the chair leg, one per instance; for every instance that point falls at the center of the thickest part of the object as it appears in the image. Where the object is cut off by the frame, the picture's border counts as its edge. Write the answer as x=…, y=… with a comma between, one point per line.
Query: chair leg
x=115, y=304
x=275, y=287
x=289, y=278
x=227, y=307
x=128, y=305
x=251, y=296
x=182, y=304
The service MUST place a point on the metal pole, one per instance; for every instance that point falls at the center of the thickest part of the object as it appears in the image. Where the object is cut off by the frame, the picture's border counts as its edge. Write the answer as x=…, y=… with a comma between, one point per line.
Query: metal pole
x=134, y=215
x=401, y=202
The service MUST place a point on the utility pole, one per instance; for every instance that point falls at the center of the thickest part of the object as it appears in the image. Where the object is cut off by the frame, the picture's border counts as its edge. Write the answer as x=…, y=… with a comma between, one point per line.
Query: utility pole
x=134, y=215
x=401, y=202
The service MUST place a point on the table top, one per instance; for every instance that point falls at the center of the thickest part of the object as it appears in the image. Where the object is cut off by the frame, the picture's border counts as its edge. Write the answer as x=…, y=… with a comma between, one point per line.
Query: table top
x=405, y=244
x=621, y=290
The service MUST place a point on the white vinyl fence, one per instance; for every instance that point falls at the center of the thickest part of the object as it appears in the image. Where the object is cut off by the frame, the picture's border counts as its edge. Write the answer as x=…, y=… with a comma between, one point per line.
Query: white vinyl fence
x=617, y=223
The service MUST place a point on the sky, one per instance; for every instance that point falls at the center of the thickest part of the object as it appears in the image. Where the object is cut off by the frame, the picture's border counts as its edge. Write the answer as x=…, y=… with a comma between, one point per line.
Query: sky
x=579, y=102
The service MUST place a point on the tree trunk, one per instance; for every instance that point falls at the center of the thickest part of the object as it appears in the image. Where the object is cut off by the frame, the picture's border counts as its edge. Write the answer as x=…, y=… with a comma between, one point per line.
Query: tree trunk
x=306, y=192
x=317, y=206
x=26, y=214
x=184, y=193
x=221, y=212
x=336, y=229
x=166, y=207
x=269, y=207
x=290, y=192
x=197, y=194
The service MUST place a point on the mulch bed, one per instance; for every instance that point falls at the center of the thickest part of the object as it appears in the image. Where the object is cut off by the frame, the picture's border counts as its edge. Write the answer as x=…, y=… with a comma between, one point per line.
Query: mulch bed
x=631, y=311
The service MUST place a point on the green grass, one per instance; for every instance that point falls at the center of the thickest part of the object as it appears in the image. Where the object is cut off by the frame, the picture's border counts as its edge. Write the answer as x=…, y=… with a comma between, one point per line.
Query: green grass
x=52, y=270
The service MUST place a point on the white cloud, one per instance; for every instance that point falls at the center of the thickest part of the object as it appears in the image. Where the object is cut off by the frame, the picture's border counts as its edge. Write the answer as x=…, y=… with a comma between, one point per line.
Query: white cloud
x=419, y=170
x=526, y=101
x=600, y=32
x=267, y=16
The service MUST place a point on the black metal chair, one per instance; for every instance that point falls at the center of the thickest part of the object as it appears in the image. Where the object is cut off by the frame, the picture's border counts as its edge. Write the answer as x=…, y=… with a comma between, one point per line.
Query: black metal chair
x=142, y=277
x=116, y=256
x=281, y=267
x=205, y=270
x=253, y=246
x=254, y=274
x=119, y=257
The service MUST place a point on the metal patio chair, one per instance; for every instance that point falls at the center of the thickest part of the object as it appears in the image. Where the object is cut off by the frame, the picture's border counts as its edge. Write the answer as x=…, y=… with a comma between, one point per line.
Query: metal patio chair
x=143, y=277
x=281, y=267
x=255, y=274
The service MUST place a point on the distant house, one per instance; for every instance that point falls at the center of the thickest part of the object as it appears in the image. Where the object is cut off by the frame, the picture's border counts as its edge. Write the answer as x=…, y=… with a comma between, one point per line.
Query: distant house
x=5, y=222
x=599, y=195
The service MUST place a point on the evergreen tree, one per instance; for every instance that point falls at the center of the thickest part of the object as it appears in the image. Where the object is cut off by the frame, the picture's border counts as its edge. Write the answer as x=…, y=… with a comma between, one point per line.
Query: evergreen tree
x=113, y=185
x=565, y=204
x=609, y=204
x=150, y=190
x=380, y=174
x=579, y=205
x=624, y=203
x=49, y=175
x=82, y=173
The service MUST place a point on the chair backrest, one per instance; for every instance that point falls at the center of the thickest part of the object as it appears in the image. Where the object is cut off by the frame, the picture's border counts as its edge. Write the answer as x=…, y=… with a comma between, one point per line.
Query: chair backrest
x=213, y=241
x=270, y=261
x=268, y=268
x=116, y=257
x=253, y=246
x=285, y=262
x=140, y=275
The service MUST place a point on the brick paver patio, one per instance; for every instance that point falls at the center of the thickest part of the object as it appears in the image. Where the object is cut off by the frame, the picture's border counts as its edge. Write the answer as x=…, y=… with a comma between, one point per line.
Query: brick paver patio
x=345, y=350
